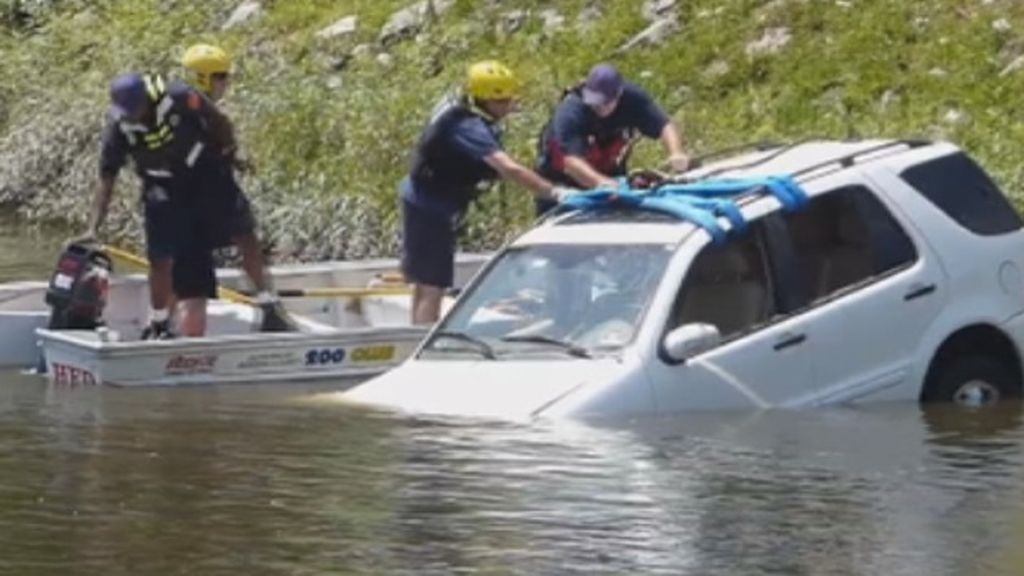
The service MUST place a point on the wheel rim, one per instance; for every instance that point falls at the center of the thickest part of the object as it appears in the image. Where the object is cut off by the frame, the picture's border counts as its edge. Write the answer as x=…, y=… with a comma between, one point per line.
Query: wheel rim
x=976, y=393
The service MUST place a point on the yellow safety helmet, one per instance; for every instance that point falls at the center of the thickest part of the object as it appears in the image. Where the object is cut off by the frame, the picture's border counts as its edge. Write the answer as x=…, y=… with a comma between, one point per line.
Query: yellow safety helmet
x=491, y=80
x=202, y=61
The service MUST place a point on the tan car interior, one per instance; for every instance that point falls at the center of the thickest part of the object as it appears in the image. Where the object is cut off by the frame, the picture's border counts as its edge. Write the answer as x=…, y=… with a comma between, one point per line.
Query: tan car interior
x=727, y=287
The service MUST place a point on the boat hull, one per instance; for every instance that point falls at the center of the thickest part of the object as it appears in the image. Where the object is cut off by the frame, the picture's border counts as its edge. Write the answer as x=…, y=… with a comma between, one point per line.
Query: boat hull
x=81, y=358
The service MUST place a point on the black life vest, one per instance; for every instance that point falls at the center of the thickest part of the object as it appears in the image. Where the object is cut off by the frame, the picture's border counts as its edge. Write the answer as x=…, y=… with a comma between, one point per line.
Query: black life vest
x=171, y=139
x=607, y=149
x=438, y=167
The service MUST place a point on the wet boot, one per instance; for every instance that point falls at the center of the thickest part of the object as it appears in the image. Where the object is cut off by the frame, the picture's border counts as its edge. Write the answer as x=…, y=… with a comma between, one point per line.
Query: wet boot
x=275, y=319
x=158, y=330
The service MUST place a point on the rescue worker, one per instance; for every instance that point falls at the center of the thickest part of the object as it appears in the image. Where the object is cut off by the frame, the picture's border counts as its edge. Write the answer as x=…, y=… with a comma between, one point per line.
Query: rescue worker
x=459, y=150
x=588, y=139
x=160, y=126
x=224, y=211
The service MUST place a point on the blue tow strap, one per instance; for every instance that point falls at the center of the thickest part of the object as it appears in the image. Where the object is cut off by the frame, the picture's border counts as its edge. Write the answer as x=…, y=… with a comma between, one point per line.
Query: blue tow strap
x=700, y=203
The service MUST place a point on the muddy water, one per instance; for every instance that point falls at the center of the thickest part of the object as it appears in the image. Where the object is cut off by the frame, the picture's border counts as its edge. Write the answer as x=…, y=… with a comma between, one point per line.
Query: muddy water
x=273, y=480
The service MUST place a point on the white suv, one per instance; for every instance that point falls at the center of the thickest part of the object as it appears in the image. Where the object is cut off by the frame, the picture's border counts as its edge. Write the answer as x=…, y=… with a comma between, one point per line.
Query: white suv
x=898, y=278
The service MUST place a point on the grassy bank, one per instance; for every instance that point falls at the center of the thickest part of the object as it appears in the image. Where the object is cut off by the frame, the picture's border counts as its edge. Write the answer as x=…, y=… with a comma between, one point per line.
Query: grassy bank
x=330, y=126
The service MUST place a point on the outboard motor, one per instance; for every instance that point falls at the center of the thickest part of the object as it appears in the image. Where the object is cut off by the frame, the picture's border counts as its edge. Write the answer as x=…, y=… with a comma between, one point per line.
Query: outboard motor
x=78, y=290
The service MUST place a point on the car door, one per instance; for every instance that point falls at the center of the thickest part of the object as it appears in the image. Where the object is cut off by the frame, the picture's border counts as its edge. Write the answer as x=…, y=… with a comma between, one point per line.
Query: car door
x=765, y=354
x=872, y=291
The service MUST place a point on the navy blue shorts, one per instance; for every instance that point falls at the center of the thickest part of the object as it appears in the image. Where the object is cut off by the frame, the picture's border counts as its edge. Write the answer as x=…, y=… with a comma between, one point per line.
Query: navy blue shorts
x=162, y=222
x=428, y=246
x=193, y=274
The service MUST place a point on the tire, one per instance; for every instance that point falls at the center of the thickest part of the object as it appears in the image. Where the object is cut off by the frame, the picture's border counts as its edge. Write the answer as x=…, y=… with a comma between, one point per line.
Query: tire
x=972, y=380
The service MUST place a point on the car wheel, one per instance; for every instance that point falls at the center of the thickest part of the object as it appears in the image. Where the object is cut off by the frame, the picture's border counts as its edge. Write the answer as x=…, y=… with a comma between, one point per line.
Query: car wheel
x=972, y=380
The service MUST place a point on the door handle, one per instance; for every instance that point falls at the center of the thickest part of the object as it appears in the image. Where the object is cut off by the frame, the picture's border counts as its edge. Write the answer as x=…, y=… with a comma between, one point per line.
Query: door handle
x=788, y=341
x=918, y=291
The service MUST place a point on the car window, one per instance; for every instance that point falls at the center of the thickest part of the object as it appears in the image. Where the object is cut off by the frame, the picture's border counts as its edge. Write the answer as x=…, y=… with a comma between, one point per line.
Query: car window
x=592, y=296
x=961, y=189
x=845, y=237
x=727, y=286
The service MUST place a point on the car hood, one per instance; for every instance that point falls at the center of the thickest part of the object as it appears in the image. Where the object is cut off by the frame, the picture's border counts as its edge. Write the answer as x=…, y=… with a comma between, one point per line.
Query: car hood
x=505, y=389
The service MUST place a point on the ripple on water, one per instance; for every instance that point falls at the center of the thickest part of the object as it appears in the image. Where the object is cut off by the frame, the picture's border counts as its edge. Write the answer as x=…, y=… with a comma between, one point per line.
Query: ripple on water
x=256, y=480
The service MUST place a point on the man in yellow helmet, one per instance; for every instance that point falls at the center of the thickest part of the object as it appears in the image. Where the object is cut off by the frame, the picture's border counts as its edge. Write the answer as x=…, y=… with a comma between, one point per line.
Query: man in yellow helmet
x=459, y=150
x=225, y=215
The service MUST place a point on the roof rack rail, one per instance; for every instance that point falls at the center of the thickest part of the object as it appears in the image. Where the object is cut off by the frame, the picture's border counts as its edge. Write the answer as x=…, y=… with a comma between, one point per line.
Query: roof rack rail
x=780, y=149
x=844, y=161
x=850, y=159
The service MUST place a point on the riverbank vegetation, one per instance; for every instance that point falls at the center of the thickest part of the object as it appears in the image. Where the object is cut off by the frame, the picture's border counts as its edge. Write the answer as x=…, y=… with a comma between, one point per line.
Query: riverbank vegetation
x=330, y=95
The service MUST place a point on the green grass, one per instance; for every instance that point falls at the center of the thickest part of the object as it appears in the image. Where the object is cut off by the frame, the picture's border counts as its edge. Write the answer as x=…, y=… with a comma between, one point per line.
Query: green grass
x=330, y=145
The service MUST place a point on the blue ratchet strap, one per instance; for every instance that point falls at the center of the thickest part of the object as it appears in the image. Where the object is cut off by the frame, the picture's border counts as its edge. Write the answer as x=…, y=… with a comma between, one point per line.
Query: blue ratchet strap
x=689, y=211
x=603, y=198
x=784, y=188
x=723, y=207
x=700, y=203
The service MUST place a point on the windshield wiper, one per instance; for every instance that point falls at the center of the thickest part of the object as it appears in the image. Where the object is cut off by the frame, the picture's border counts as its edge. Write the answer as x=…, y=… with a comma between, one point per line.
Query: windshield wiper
x=484, y=348
x=569, y=347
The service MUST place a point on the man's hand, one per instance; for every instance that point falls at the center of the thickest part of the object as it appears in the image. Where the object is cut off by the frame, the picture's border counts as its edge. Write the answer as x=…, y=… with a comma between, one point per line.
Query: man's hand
x=561, y=193
x=679, y=162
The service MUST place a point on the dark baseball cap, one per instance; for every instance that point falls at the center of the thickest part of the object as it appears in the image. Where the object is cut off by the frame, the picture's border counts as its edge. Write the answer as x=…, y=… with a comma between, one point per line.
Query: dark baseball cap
x=604, y=84
x=128, y=93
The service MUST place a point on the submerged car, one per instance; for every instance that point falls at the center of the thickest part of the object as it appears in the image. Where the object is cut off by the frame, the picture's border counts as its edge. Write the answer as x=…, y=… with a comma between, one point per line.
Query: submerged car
x=893, y=271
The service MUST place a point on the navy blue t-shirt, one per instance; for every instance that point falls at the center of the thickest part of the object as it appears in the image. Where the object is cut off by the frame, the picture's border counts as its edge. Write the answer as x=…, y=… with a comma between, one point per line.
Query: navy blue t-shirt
x=576, y=130
x=467, y=140
x=188, y=117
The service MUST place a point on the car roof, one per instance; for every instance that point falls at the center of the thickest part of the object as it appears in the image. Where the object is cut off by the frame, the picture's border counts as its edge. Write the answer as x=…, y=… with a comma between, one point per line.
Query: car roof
x=637, y=226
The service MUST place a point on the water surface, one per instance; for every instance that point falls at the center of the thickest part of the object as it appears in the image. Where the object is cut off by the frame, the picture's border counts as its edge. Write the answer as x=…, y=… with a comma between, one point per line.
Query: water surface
x=273, y=479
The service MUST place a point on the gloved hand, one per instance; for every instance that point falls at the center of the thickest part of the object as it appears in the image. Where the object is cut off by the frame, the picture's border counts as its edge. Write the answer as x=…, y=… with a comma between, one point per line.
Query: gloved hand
x=679, y=162
x=561, y=193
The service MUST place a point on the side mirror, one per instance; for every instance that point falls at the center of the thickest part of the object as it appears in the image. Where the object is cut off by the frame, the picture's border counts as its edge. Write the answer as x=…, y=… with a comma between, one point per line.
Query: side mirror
x=690, y=340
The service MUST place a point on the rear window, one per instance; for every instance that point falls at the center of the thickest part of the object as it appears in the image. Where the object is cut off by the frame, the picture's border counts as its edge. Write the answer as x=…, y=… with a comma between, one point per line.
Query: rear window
x=847, y=237
x=961, y=189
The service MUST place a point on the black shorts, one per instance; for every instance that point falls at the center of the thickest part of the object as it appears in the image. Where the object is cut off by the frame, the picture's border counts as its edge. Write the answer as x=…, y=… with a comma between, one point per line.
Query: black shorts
x=194, y=275
x=428, y=246
x=162, y=221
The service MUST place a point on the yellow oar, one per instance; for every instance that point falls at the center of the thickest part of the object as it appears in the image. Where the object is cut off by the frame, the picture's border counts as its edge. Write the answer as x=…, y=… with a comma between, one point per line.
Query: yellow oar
x=343, y=292
x=236, y=296
x=136, y=260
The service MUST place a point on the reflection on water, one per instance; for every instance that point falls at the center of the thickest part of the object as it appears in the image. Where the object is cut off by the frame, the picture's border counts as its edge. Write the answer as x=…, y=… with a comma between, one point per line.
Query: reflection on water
x=27, y=254
x=262, y=480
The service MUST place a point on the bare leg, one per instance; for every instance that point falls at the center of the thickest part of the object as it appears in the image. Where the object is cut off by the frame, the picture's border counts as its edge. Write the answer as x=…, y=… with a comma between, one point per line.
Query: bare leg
x=192, y=319
x=253, y=261
x=275, y=319
x=161, y=289
x=426, y=303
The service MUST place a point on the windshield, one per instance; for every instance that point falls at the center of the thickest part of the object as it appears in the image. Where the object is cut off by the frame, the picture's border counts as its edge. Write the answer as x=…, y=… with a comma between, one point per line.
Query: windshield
x=557, y=299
